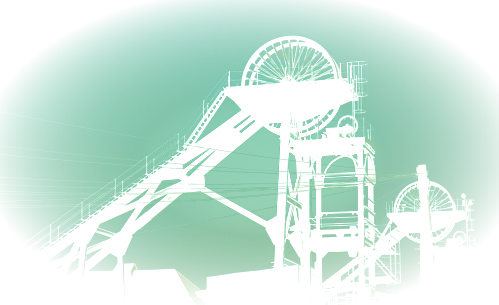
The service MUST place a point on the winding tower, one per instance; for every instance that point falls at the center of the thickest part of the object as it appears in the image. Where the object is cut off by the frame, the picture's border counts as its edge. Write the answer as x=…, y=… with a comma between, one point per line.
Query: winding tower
x=291, y=87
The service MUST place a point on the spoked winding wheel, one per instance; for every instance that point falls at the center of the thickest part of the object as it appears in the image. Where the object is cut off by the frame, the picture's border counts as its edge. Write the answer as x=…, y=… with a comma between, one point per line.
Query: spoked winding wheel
x=292, y=59
x=439, y=200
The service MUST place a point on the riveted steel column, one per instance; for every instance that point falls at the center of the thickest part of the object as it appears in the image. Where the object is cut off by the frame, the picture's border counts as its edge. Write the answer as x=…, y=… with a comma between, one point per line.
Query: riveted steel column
x=278, y=282
x=319, y=182
x=121, y=276
x=370, y=197
x=360, y=178
x=306, y=228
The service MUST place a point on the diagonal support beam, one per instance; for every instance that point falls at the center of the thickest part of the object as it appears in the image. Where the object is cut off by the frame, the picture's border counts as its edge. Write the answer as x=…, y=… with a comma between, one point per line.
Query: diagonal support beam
x=104, y=215
x=234, y=206
x=335, y=279
x=137, y=194
x=230, y=123
x=131, y=226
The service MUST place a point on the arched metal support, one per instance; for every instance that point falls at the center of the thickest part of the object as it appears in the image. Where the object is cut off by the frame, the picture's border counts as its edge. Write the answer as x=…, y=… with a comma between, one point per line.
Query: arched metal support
x=364, y=165
x=346, y=154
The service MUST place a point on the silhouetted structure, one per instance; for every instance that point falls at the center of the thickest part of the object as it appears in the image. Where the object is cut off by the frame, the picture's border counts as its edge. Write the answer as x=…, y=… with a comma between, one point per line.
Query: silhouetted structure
x=293, y=88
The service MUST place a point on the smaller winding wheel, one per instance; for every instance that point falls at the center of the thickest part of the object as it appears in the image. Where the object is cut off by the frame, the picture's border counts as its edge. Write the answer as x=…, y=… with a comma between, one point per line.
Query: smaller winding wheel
x=348, y=126
x=459, y=238
x=439, y=201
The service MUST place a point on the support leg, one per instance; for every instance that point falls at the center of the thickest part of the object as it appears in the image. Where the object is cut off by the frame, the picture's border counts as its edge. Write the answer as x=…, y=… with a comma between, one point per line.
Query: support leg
x=360, y=176
x=319, y=180
x=278, y=285
x=318, y=278
x=121, y=276
x=422, y=279
x=370, y=203
x=306, y=228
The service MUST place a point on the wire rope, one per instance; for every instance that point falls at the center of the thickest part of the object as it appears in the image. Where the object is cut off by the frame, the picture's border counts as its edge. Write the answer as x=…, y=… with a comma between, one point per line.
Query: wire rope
x=303, y=187
x=259, y=190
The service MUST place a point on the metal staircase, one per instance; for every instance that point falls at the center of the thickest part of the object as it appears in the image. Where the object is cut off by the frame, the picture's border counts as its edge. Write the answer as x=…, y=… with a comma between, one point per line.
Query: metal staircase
x=405, y=224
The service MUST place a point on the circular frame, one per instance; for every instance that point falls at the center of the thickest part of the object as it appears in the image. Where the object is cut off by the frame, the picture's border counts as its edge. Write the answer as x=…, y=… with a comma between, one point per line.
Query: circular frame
x=288, y=59
x=439, y=200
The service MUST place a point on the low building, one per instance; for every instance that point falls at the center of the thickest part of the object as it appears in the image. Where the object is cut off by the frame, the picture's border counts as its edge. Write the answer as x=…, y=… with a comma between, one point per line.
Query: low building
x=142, y=287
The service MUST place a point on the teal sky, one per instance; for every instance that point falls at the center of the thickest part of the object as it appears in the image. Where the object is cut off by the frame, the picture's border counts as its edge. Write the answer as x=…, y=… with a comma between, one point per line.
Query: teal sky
x=142, y=74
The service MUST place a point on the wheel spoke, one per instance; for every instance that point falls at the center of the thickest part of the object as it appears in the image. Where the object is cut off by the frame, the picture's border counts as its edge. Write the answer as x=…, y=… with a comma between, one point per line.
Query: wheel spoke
x=297, y=61
x=301, y=67
x=313, y=56
x=278, y=67
x=275, y=64
x=414, y=199
x=317, y=76
x=270, y=73
x=432, y=200
x=286, y=61
x=279, y=58
x=441, y=200
x=291, y=58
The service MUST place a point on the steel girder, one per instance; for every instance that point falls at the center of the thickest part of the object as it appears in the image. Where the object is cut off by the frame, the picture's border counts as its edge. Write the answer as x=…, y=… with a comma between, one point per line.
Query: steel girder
x=225, y=136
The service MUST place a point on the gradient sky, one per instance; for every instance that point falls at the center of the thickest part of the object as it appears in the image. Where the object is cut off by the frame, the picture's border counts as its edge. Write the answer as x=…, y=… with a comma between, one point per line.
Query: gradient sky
x=142, y=73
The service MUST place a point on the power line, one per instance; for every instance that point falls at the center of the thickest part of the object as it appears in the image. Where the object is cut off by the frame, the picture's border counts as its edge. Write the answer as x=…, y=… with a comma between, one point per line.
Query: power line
x=77, y=126
x=66, y=153
x=54, y=159
x=61, y=180
x=219, y=191
x=205, y=220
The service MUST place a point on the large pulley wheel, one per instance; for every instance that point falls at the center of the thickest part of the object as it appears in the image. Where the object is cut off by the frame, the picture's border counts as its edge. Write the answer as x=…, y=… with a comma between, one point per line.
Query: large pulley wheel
x=292, y=59
x=439, y=200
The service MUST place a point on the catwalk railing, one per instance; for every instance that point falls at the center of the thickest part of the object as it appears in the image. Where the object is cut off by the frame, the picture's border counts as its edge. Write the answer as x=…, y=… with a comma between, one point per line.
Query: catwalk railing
x=122, y=184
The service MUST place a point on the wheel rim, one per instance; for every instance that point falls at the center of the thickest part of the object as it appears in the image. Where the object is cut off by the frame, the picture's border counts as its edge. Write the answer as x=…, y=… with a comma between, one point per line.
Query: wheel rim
x=349, y=120
x=439, y=200
x=460, y=237
x=292, y=59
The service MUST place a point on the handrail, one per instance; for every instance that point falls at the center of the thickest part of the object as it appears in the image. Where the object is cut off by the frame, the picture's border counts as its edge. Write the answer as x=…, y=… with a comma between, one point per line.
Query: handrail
x=137, y=173
x=161, y=155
